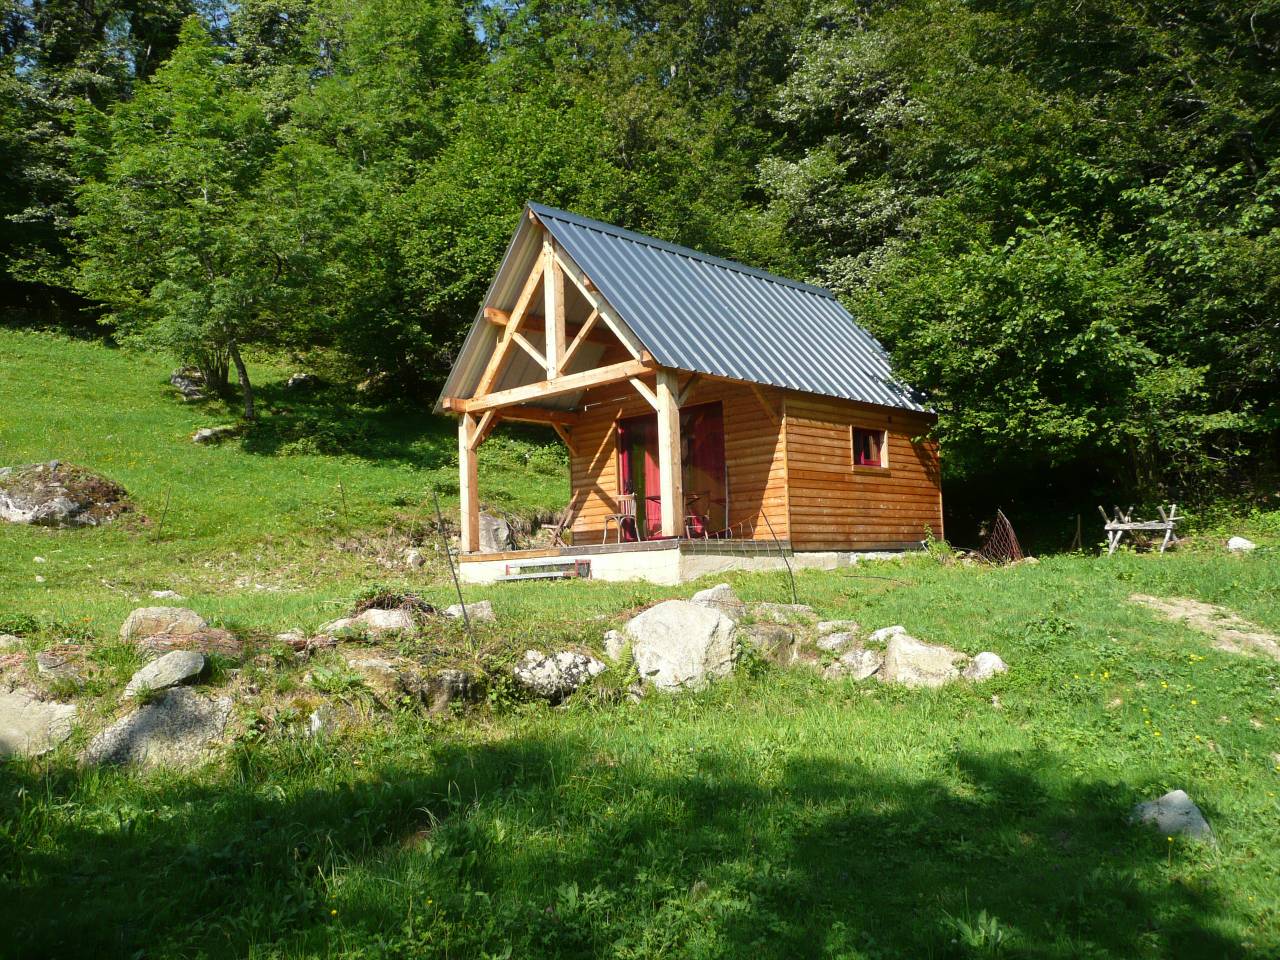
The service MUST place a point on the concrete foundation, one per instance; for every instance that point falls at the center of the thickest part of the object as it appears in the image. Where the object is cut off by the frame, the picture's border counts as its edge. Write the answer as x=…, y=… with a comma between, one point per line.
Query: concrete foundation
x=666, y=562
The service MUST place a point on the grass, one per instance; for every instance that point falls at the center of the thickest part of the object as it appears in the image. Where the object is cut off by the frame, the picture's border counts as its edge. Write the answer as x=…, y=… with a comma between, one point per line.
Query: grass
x=775, y=815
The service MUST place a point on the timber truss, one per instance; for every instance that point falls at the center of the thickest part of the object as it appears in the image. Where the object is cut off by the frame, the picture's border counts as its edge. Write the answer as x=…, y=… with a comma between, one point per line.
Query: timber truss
x=553, y=349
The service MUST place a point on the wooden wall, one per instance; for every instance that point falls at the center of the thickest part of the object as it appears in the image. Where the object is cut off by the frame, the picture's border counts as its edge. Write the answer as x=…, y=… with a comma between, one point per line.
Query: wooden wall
x=837, y=506
x=753, y=455
x=794, y=462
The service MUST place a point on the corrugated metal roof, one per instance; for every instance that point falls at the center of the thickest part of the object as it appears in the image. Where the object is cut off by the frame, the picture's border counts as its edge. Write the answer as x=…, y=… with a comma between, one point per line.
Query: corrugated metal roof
x=701, y=313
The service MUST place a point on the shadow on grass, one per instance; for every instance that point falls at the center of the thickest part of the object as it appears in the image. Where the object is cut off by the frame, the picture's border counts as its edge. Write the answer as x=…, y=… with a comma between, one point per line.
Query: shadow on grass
x=548, y=847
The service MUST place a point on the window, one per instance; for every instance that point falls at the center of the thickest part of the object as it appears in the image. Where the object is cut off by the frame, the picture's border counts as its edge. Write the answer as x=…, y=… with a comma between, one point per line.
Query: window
x=869, y=448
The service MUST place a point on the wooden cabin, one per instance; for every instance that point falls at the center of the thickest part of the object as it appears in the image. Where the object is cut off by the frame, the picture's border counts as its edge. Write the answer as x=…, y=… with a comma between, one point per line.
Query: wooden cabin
x=708, y=407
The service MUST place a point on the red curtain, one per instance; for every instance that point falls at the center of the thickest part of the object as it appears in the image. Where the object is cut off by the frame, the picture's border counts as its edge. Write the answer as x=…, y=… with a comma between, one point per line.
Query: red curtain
x=702, y=460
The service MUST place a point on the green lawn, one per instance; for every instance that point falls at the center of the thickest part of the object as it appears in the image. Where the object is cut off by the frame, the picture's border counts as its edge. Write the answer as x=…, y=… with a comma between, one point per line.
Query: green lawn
x=775, y=815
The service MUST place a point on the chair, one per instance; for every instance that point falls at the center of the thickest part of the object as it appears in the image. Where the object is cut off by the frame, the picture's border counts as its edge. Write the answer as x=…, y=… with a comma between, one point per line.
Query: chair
x=626, y=512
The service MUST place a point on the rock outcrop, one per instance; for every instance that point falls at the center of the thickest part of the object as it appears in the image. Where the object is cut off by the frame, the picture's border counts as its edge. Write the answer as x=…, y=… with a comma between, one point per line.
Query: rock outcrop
x=57, y=494
x=177, y=729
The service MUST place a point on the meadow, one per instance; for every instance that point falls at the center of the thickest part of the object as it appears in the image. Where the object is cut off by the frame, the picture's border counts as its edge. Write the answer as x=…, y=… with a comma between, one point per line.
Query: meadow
x=775, y=814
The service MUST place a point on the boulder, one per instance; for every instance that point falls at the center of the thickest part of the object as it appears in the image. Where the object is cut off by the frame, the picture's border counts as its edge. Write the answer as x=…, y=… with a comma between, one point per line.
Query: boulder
x=1174, y=815
x=30, y=727
x=206, y=641
x=170, y=621
x=1240, y=545
x=175, y=730
x=721, y=597
x=835, y=642
x=215, y=434
x=174, y=668
x=57, y=494
x=784, y=613
x=384, y=677
x=682, y=645
x=444, y=688
x=60, y=661
x=912, y=663
x=884, y=633
x=827, y=627
x=556, y=676
x=495, y=534
x=372, y=621
x=481, y=611
x=775, y=642
x=858, y=663
x=984, y=666
x=301, y=381
x=189, y=382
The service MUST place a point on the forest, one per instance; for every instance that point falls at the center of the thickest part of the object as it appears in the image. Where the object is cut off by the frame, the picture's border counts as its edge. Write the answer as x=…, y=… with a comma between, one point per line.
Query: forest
x=1063, y=219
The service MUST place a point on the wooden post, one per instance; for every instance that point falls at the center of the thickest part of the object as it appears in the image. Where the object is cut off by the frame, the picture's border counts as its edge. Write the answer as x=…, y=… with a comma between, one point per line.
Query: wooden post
x=468, y=482
x=669, y=446
x=553, y=307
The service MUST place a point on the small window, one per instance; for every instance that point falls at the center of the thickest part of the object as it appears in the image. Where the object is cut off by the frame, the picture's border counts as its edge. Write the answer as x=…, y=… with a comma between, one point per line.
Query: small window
x=869, y=448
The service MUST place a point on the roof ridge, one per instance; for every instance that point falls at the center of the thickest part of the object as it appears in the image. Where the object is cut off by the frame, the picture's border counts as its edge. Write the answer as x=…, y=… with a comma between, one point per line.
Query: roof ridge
x=623, y=233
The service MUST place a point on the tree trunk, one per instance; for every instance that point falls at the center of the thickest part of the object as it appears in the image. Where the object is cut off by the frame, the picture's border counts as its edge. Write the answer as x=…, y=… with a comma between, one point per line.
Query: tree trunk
x=245, y=387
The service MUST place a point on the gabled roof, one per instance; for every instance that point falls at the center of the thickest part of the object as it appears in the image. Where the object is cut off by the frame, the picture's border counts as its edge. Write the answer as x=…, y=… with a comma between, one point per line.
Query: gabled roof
x=701, y=313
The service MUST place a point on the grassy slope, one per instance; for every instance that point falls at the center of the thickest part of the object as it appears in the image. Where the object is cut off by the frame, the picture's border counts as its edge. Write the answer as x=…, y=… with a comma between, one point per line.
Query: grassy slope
x=775, y=815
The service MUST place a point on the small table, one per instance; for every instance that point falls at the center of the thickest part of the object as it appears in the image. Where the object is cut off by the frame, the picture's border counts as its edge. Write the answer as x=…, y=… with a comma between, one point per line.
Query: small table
x=1123, y=522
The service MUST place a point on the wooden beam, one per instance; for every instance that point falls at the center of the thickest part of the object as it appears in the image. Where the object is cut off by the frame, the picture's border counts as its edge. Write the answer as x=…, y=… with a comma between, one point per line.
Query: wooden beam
x=468, y=487
x=592, y=296
x=773, y=417
x=580, y=339
x=507, y=340
x=496, y=316
x=564, y=418
x=671, y=482
x=523, y=342
x=553, y=307
x=645, y=391
x=566, y=437
x=687, y=390
x=483, y=428
x=571, y=383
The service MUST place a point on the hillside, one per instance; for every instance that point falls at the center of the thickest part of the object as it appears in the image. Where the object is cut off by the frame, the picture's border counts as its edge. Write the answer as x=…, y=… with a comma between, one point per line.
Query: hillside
x=777, y=813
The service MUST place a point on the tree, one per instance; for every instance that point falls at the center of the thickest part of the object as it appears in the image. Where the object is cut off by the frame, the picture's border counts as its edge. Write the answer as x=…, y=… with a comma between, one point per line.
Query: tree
x=168, y=235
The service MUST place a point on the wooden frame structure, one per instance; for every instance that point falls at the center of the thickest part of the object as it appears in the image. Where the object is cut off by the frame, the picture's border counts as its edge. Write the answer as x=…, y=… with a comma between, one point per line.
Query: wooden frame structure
x=553, y=350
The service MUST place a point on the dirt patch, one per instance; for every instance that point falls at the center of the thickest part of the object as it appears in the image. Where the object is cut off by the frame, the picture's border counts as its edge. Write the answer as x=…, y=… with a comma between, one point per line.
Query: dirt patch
x=1230, y=632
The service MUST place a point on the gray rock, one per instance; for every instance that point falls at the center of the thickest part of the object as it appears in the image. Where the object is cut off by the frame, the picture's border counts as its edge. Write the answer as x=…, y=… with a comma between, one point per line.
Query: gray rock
x=784, y=613
x=775, y=642
x=170, y=670
x=57, y=494
x=614, y=644
x=481, y=611
x=721, y=597
x=413, y=558
x=912, y=663
x=206, y=641
x=1174, y=815
x=835, y=642
x=30, y=727
x=323, y=721
x=884, y=633
x=372, y=621
x=189, y=382
x=9, y=642
x=444, y=688
x=151, y=621
x=984, y=666
x=826, y=627
x=859, y=663
x=301, y=381
x=176, y=730
x=1240, y=545
x=682, y=645
x=556, y=676
x=167, y=595
x=384, y=677
x=495, y=534
x=215, y=434
x=59, y=661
